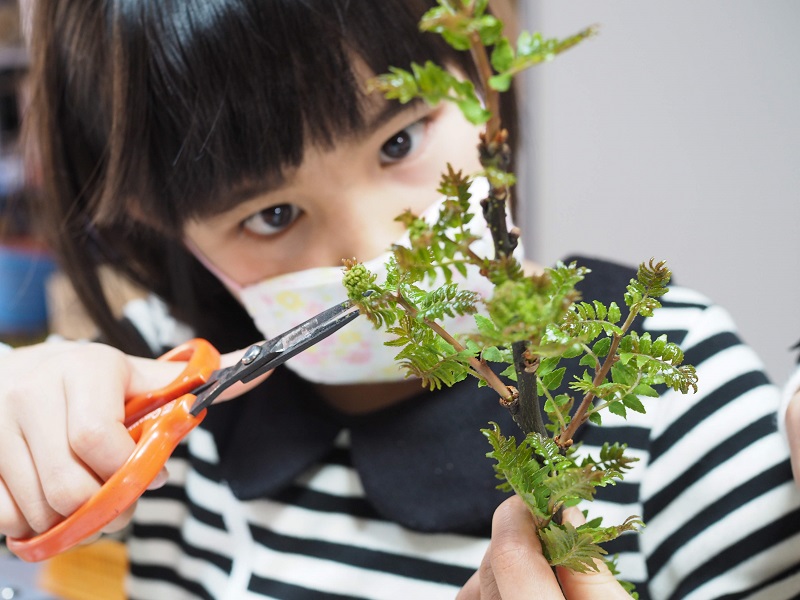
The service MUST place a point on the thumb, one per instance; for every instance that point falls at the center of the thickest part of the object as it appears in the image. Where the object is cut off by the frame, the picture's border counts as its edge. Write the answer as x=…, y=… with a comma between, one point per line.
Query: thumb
x=239, y=388
x=600, y=585
x=148, y=374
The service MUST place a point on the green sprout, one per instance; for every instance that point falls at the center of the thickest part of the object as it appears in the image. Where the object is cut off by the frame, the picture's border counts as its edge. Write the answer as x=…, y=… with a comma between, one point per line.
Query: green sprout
x=533, y=324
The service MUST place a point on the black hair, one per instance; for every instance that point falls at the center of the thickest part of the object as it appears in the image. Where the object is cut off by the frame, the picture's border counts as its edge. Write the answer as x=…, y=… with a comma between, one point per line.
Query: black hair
x=160, y=108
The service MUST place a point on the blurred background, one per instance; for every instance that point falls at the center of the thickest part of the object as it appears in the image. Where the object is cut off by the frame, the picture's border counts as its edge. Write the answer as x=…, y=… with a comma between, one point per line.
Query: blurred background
x=675, y=134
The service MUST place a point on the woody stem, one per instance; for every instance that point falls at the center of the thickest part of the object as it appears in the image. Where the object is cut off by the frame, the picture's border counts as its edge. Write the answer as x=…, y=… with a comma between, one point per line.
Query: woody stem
x=480, y=367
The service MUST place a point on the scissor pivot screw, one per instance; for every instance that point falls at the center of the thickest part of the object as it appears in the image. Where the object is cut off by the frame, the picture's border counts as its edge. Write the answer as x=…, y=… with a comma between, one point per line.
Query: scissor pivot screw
x=253, y=352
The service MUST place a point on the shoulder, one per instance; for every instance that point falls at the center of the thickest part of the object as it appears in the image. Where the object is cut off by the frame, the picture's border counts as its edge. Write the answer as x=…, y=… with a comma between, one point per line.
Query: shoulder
x=683, y=309
x=151, y=319
x=606, y=280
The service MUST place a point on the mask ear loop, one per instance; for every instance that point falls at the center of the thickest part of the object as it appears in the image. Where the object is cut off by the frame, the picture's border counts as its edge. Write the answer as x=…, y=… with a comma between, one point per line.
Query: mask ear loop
x=229, y=283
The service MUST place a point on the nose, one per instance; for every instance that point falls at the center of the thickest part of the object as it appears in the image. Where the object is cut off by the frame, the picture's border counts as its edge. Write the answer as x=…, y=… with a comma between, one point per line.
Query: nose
x=364, y=225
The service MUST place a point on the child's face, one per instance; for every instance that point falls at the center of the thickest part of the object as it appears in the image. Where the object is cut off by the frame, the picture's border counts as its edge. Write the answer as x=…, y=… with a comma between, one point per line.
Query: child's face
x=341, y=203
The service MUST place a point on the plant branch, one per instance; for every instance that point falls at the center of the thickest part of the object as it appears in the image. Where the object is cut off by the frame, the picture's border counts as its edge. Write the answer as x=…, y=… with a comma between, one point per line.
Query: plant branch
x=564, y=439
x=480, y=367
x=485, y=72
x=527, y=413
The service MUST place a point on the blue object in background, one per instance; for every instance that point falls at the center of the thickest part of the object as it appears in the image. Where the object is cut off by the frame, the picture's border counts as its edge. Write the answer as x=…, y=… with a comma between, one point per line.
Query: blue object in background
x=23, y=305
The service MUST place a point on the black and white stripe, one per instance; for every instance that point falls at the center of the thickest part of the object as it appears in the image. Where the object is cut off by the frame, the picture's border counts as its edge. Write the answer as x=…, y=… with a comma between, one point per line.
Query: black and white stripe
x=713, y=484
x=320, y=536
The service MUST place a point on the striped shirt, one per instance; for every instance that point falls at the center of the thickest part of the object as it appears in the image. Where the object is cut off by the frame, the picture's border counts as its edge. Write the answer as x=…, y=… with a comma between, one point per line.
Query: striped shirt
x=279, y=496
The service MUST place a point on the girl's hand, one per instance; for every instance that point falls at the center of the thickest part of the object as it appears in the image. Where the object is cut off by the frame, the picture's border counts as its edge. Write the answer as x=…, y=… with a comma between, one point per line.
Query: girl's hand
x=61, y=428
x=515, y=568
x=62, y=408
x=793, y=433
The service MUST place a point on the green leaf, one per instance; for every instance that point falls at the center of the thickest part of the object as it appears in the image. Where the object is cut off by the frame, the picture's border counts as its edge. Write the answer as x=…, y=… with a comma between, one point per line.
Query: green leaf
x=547, y=366
x=502, y=55
x=509, y=372
x=473, y=110
x=618, y=408
x=565, y=546
x=492, y=354
x=645, y=390
x=624, y=374
x=501, y=83
x=487, y=327
x=490, y=30
x=602, y=347
x=518, y=469
x=614, y=314
x=553, y=379
x=600, y=309
x=632, y=402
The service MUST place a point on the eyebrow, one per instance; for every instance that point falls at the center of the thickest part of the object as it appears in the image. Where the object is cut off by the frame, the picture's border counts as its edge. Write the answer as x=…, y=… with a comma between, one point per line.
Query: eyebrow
x=390, y=110
x=245, y=192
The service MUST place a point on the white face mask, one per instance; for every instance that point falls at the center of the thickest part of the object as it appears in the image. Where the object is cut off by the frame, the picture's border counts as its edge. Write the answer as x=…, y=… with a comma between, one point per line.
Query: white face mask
x=356, y=353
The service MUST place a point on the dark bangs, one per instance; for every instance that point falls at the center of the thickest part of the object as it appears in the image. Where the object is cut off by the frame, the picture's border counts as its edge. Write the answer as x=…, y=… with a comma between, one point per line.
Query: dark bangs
x=210, y=94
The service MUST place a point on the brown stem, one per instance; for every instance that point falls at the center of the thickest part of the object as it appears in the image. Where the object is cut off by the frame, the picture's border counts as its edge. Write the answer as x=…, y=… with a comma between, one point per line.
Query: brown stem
x=491, y=96
x=480, y=367
x=564, y=439
x=528, y=415
x=494, y=152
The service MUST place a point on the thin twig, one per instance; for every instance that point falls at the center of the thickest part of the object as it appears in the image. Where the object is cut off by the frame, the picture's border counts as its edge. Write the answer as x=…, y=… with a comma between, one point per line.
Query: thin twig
x=480, y=367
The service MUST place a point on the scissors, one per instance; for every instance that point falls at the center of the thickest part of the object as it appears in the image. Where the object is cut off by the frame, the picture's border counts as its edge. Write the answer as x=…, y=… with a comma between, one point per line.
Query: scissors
x=158, y=420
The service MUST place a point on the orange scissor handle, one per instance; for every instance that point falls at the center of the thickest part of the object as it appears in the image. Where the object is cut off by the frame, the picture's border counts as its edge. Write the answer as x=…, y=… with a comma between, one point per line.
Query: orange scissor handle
x=164, y=420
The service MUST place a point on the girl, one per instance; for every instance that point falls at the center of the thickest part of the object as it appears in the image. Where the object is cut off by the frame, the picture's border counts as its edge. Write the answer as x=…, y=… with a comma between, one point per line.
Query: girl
x=224, y=155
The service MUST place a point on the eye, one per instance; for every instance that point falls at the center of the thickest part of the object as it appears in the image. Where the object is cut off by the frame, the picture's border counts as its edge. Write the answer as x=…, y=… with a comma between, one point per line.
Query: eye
x=272, y=220
x=403, y=143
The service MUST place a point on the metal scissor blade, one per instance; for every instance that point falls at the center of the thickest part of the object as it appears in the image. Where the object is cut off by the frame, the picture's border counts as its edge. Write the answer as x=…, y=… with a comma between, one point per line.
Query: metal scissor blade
x=310, y=332
x=260, y=358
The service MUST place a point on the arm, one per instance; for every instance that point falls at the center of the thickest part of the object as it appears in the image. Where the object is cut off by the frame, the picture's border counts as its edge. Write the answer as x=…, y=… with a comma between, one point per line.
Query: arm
x=789, y=420
x=61, y=424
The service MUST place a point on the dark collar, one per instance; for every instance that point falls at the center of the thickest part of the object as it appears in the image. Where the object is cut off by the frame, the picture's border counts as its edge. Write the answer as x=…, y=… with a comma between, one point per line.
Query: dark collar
x=422, y=462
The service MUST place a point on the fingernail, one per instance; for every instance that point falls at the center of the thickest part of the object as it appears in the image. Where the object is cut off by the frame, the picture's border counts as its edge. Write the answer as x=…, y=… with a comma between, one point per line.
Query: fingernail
x=159, y=481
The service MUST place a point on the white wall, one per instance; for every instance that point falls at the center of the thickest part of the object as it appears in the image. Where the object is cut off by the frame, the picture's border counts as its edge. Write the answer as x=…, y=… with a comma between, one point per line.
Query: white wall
x=675, y=133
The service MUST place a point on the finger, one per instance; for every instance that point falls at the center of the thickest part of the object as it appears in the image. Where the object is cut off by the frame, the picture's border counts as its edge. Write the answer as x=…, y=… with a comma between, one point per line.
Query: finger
x=12, y=521
x=239, y=388
x=147, y=375
x=121, y=522
x=471, y=589
x=143, y=375
x=95, y=416
x=518, y=565
x=488, y=584
x=600, y=585
x=64, y=479
x=160, y=480
x=22, y=484
x=793, y=433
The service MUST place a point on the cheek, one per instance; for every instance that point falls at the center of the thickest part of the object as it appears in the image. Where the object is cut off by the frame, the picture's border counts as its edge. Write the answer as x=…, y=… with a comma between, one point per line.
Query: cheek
x=463, y=152
x=228, y=261
x=457, y=141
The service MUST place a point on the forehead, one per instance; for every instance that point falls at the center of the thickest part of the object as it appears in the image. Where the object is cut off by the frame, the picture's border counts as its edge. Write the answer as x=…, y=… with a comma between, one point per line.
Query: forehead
x=381, y=117
x=247, y=109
